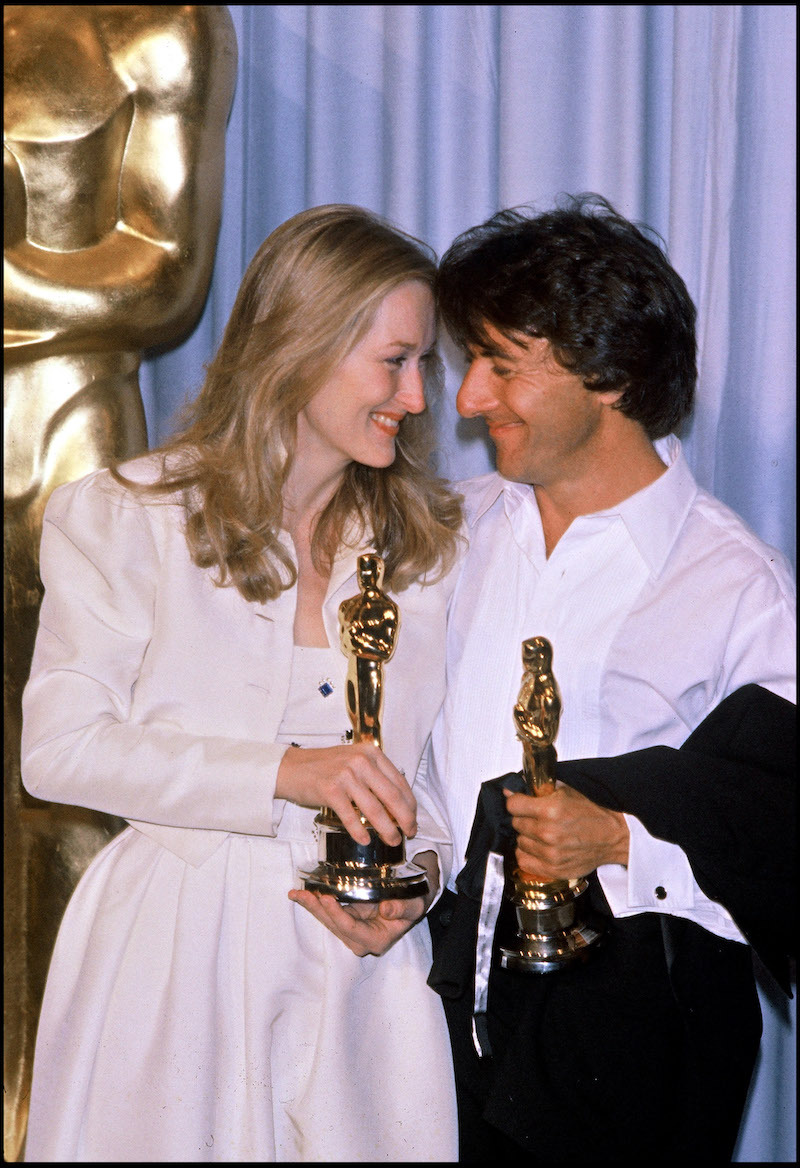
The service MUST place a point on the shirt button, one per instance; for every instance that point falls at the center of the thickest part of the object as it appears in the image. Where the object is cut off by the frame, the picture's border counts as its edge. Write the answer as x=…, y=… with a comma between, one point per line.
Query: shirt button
x=661, y=892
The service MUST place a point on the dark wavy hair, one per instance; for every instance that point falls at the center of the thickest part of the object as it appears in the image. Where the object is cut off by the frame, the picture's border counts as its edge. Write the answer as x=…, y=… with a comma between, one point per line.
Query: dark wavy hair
x=614, y=310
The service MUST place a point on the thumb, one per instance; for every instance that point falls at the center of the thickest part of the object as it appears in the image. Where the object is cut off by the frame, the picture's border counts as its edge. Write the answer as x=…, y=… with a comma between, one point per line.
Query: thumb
x=402, y=910
x=393, y=910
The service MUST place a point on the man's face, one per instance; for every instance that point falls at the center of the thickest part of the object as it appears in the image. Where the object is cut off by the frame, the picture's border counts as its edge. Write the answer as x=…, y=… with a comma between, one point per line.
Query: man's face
x=545, y=424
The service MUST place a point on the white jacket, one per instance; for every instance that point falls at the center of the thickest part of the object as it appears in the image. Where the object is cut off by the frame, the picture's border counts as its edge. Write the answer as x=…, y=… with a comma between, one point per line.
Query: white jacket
x=157, y=696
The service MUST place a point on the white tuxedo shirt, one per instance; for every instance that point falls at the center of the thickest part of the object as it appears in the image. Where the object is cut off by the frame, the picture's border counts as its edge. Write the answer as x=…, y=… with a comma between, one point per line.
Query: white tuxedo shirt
x=656, y=609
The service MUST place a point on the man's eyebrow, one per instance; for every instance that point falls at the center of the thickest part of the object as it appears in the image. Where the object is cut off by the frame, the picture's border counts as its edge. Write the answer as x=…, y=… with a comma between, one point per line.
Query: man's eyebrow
x=493, y=351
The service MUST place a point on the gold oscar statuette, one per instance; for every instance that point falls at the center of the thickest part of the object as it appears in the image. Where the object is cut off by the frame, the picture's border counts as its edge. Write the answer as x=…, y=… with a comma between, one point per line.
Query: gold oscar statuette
x=553, y=925
x=369, y=623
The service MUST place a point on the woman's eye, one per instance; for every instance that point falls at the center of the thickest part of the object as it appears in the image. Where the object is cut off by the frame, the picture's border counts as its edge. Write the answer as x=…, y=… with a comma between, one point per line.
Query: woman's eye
x=396, y=361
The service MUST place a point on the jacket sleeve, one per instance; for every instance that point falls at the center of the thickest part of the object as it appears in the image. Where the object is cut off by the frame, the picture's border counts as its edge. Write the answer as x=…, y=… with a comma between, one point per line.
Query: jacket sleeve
x=81, y=743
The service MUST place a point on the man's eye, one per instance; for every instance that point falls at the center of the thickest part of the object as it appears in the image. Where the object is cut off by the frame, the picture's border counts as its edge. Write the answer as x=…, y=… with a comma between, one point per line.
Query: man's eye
x=501, y=371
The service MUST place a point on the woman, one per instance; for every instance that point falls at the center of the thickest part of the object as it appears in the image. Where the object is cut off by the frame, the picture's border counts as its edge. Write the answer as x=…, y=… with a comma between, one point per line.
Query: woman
x=188, y=676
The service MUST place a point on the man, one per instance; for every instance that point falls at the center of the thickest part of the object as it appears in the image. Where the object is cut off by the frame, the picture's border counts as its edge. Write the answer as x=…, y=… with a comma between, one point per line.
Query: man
x=659, y=604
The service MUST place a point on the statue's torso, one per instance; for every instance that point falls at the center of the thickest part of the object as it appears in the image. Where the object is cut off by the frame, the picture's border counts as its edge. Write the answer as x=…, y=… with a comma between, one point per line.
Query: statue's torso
x=66, y=121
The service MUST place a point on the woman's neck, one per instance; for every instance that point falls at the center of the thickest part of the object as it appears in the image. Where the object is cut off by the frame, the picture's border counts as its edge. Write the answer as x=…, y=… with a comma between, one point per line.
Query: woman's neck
x=306, y=494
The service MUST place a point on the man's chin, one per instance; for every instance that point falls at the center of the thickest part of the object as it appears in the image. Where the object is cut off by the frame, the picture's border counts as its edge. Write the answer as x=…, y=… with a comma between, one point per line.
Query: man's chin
x=511, y=470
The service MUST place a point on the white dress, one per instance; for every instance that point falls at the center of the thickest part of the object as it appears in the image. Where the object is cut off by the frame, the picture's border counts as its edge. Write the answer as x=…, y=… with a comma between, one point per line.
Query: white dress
x=301, y=1051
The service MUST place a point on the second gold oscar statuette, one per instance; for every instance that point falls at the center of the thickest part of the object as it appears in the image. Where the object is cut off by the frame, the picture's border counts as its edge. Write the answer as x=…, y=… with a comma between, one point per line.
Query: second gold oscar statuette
x=554, y=927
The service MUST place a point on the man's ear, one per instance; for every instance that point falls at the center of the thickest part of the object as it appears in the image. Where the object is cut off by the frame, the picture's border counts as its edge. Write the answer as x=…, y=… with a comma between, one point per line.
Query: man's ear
x=610, y=397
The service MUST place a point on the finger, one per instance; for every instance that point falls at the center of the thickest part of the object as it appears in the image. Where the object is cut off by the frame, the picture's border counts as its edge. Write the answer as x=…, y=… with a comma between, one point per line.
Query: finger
x=304, y=897
x=350, y=817
x=394, y=790
x=361, y=910
x=330, y=913
x=524, y=805
x=395, y=778
x=345, y=918
x=384, y=798
x=529, y=844
x=374, y=811
x=355, y=798
x=546, y=845
x=402, y=910
x=528, y=829
x=533, y=871
x=360, y=937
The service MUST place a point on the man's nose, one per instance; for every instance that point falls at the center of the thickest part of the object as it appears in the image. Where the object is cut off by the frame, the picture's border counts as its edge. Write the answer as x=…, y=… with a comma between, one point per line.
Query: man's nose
x=475, y=396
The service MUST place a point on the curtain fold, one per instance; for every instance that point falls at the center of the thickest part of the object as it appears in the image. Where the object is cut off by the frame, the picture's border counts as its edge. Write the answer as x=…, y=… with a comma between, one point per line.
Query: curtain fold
x=436, y=116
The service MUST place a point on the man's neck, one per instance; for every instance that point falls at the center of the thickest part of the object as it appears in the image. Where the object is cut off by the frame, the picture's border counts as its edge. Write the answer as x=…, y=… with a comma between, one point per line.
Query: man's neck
x=613, y=479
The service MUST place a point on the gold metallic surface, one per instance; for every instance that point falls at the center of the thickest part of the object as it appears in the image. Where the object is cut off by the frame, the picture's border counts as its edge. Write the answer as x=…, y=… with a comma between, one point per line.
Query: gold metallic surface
x=537, y=713
x=553, y=926
x=368, y=624
x=113, y=156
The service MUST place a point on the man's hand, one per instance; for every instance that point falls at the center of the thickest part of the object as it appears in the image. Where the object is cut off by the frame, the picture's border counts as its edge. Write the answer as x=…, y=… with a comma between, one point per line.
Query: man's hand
x=564, y=835
x=371, y=928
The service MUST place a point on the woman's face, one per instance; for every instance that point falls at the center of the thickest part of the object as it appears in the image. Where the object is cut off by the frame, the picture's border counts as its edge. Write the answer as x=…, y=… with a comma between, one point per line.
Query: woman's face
x=356, y=415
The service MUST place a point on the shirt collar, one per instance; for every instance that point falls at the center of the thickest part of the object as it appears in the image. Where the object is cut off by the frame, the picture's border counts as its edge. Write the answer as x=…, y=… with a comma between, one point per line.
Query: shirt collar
x=482, y=493
x=653, y=516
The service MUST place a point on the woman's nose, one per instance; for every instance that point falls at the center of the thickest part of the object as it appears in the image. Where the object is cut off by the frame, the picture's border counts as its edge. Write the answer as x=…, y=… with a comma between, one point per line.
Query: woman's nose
x=412, y=391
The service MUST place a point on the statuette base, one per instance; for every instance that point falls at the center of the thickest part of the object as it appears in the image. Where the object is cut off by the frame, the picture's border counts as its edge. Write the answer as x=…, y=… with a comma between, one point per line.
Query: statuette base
x=554, y=928
x=354, y=872
x=367, y=884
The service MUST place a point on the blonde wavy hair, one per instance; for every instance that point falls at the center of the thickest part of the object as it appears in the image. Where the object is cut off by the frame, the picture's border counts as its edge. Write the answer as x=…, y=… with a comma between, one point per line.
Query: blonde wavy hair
x=308, y=297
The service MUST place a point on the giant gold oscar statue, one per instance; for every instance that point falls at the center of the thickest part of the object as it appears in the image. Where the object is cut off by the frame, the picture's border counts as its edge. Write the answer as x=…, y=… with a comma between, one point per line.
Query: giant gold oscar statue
x=368, y=625
x=113, y=146
x=554, y=924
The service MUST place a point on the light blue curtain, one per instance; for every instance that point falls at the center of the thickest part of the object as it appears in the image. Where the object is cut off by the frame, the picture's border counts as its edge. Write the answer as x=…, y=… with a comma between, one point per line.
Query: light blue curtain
x=436, y=116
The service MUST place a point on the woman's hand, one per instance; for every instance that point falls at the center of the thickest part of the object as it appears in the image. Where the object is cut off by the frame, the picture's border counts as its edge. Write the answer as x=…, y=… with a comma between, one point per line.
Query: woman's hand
x=371, y=928
x=352, y=780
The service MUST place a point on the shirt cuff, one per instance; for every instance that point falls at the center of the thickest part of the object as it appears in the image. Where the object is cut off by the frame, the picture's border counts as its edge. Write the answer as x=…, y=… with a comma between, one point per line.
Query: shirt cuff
x=444, y=855
x=278, y=808
x=658, y=876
